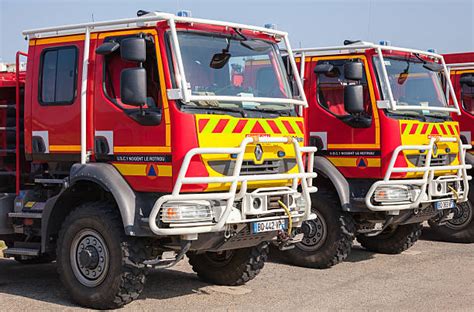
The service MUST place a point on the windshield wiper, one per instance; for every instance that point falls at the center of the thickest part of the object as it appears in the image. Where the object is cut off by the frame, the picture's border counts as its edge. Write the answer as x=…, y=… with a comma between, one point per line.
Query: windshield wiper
x=285, y=112
x=218, y=108
x=435, y=115
x=409, y=114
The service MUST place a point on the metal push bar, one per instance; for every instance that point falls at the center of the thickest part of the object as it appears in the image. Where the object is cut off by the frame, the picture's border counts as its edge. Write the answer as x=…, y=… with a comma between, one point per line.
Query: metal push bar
x=235, y=179
x=428, y=176
x=362, y=46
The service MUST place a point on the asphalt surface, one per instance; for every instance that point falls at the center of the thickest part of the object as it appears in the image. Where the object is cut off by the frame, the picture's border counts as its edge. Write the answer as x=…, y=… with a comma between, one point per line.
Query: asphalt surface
x=431, y=276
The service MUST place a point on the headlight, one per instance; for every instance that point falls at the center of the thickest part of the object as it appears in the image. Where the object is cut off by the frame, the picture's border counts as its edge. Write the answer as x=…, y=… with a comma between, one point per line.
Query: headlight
x=395, y=193
x=187, y=212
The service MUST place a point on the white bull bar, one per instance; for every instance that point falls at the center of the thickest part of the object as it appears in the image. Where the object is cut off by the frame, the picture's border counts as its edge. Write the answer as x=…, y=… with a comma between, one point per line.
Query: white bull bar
x=425, y=196
x=231, y=196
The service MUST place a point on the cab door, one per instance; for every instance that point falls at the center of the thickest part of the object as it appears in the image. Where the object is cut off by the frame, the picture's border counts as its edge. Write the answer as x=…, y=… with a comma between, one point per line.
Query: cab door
x=55, y=99
x=136, y=140
x=350, y=141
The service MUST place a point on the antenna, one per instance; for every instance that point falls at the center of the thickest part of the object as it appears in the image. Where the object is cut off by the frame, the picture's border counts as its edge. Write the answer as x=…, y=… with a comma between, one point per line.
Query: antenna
x=93, y=18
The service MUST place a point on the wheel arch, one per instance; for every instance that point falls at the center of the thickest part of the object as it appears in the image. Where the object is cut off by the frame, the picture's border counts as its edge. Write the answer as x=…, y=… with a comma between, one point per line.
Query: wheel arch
x=89, y=182
x=326, y=169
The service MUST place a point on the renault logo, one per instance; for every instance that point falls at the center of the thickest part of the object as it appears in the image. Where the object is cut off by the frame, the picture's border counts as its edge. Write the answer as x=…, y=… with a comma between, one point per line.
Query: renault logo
x=258, y=152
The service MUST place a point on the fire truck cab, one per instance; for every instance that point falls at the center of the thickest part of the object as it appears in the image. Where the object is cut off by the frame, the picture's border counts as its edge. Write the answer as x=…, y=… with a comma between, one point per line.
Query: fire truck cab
x=389, y=155
x=461, y=67
x=129, y=144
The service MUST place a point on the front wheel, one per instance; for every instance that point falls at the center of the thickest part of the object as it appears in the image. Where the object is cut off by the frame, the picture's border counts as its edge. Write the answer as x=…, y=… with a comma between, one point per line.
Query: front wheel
x=97, y=263
x=393, y=240
x=229, y=267
x=328, y=239
x=460, y=229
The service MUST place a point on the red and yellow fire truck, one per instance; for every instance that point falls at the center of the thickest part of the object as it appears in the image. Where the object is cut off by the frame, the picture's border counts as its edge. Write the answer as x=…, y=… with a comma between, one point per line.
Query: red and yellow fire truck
x=128, y=144
x=461, y=66
x=389, y=155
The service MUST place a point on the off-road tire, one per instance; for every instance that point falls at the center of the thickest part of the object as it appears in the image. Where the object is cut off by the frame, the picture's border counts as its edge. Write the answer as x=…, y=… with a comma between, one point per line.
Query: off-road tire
x=241, y=266
x=43, y=259
x=392, y=241
x=125, y=278
x=458, y=232
x=336, y=244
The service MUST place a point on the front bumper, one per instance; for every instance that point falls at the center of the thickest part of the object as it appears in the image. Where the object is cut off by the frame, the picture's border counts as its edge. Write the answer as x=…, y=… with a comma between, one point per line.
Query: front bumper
x=429, y=188
x=236, y=206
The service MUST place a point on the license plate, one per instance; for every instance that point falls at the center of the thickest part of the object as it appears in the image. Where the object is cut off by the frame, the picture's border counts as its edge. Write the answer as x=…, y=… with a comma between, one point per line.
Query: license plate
x=267, y=226
x=444, y=204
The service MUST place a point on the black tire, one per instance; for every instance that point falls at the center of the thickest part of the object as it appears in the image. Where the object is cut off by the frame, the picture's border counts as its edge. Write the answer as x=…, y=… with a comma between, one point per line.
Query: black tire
x=393, y=240
x=231, y=267
x=460, y=229
x=43, y=259
x=331, y=234
x=122, y=277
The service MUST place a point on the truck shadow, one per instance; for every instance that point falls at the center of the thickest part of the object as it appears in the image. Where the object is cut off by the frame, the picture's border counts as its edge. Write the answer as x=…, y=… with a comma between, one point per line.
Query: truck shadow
x=41, y=283
x=358, y=254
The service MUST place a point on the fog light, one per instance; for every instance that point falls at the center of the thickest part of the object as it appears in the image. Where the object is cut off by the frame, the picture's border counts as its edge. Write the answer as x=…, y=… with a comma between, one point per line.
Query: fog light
x=257, y=203
x=187, y=212
x=397, y=193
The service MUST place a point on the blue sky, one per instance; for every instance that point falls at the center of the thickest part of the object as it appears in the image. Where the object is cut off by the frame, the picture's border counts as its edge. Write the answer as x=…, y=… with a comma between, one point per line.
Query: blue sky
x=447, y=26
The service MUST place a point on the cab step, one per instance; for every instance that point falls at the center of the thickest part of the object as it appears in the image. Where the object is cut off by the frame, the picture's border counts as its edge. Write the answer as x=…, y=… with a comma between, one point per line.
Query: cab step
x=25, y=215
x=11, y=252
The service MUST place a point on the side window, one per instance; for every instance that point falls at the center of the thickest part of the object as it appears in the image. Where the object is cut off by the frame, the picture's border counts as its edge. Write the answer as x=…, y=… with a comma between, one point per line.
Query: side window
x=113, y=66
x=330, y=89
x=58, y=76
x=467, y=95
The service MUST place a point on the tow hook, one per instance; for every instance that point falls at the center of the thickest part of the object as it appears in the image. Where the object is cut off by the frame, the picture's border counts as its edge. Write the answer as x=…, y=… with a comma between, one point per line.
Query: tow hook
x=286, y=242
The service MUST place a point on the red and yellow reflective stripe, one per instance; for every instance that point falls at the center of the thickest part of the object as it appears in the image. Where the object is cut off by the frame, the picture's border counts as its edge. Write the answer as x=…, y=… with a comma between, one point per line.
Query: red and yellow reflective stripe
x=250, y=126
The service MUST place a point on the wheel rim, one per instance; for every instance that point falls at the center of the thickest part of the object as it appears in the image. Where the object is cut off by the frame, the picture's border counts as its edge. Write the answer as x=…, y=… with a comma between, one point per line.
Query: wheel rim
x=220, y=259
x=89, y=258
x=317, y=233
x=462, y=216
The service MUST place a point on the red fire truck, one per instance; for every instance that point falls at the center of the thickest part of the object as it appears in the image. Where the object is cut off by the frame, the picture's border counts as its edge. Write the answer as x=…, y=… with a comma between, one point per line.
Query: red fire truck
x=127, y=144
x=461, y=66
x=389, y=156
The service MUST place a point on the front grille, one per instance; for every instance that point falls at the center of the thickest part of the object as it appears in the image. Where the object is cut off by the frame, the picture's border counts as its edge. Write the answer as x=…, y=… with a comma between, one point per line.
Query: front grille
x=267, y=167
x=271, y=166
x=440, y=160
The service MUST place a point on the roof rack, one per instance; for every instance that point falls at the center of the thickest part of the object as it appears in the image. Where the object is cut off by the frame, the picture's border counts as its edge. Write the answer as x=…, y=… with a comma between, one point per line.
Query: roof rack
x=461, y=66
x=362, y=46
x=146, y=20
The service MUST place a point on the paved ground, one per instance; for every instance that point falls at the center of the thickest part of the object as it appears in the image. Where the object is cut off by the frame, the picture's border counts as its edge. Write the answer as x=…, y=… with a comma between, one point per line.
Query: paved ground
x=430, y=276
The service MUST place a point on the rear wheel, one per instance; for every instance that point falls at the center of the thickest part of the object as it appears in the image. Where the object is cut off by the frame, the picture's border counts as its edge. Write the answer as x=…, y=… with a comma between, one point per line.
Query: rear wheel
x=328, y=239
x=460, y=229
x=98, y=264
x=393, y=240
x=230, y=267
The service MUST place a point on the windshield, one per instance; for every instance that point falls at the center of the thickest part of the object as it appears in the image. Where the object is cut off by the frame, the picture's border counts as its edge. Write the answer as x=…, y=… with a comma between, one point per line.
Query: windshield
x=249, y=68
x=413, y=84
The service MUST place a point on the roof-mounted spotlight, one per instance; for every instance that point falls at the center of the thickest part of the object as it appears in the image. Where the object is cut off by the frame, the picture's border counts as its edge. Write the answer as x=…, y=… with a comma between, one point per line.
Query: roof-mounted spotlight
x=385, y=42
x=270, y=26
x=184, y=13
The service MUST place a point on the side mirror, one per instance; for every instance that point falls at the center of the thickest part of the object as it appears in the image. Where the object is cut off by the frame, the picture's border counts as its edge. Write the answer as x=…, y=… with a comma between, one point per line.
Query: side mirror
x=133, y=49
x=354, y=99
x=353, y=71
x=133, y=86
x=467, y=80
x=323, y=68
